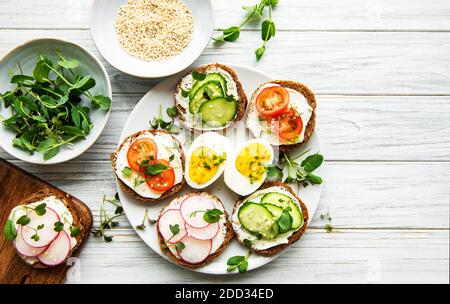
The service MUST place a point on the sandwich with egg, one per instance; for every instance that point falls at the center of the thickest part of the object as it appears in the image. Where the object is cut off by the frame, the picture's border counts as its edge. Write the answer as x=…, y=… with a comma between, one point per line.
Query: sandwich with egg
x=149, y=165
x=282, y=112
x=270, y=219
x=194, y=229
x=210, y=98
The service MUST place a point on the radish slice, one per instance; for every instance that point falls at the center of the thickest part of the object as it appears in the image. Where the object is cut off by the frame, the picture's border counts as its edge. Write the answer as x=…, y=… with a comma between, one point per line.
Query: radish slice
x=24, y=249
x=206, y=233
x=192, y=204
x=57, y=252
x=171, y=217
x=47, y=234
x=195, y=251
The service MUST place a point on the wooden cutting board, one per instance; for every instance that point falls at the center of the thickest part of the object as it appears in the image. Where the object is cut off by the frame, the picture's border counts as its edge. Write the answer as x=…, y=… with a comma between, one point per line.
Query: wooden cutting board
x=16, y=185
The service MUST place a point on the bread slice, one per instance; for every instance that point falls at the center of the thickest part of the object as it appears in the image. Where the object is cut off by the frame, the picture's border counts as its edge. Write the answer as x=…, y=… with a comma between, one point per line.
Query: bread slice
x=309, y=96
x=228, y=236
x=242, y=98
x=131, y=191
x=296, y=235
x=82, y=217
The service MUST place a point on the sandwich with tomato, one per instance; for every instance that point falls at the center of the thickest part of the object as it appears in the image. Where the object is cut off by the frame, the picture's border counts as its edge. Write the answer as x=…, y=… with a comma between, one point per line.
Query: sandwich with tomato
x=149, y=165
x=283, y=113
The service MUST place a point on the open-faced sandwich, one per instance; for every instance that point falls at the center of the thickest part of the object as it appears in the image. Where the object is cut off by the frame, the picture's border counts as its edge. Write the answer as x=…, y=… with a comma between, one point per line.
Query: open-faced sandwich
x=270, y=219
x=246, y=169
x=46, y=230
x=283, y=113
x=206, y=159
x=194, y=229
x=210, y=98
x=149, y=165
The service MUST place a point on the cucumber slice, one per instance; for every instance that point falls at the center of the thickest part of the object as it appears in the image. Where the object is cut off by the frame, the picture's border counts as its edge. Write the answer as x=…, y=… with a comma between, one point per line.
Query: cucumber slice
x=210, y=90
x=211, y=76
x=258, y=220
x=283, y=201
x=275, y=210
x=218, y=112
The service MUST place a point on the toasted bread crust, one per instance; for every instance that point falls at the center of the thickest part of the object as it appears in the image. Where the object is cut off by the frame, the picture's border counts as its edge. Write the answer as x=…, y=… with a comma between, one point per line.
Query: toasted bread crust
x=242, y=98
x=130, y=191
x=296, y=235
x=228, y=236
x=310, y=97
x=84, y=224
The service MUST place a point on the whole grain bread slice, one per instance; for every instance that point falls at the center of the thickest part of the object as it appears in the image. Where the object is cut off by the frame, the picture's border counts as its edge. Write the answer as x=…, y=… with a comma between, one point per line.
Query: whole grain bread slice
x=129, y=190
x=295, y=236
x=228, y=235
x=82, y=217
x=242, y=98
x=309, y=96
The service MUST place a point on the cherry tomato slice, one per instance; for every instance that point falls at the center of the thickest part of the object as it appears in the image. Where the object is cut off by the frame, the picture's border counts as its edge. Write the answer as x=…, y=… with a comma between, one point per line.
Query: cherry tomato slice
x=289, y=125
x=272, y=102
x=164, y=180
x=141, y=152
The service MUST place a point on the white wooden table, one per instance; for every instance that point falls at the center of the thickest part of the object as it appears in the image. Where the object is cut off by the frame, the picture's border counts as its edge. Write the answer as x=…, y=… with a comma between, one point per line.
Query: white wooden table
x=381, y=70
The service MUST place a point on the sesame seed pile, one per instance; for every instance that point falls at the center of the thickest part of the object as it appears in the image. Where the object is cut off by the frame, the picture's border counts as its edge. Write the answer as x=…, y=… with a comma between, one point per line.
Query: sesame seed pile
x=154, y=29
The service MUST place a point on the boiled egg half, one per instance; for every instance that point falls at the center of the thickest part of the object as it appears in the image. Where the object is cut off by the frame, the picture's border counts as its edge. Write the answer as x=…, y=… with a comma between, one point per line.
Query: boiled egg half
x=247, y=168
x=206, y=159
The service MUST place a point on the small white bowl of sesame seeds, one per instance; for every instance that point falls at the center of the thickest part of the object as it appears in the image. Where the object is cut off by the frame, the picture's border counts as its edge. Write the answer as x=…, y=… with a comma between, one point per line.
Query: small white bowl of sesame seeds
x=151, y=38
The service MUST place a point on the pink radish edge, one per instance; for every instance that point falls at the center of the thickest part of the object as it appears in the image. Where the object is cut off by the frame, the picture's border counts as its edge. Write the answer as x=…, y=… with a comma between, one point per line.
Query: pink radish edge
x=206, y=253
x=43, y=258
x=25, y=246
x=187, y=220
x=178, y=237
x=50, y=241
x=199, y=230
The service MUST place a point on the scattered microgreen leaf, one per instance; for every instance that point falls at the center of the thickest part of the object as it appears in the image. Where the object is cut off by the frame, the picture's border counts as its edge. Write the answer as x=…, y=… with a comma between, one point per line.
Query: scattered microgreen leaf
x=127, y=171
x=107, y=221
x=58, y=226
x=9, y=230
x=23, y=220
x=74, y=231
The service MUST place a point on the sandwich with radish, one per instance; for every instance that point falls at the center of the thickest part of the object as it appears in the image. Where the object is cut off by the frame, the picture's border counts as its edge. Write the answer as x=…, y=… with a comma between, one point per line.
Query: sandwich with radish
x=45, y=229
x=194, y=229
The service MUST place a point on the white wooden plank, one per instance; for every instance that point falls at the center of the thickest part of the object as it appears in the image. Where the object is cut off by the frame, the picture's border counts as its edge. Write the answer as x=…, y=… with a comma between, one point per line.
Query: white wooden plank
x=290, y=14
x=351, y=128
x=329, y=62
x=357, y=194
x=350, y=256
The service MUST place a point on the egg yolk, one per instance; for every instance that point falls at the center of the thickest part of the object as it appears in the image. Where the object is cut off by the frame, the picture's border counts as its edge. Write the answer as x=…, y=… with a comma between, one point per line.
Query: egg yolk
x=252, y=160
x=204, y=164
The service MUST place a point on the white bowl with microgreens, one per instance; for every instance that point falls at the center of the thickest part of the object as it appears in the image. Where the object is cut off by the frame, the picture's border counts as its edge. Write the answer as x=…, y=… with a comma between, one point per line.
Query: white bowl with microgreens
x=151, y=38
x=55, y=101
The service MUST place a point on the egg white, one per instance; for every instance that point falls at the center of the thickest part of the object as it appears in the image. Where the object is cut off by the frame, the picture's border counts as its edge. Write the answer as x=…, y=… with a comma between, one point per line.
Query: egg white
x=166, y=147
x=237, y=182
x=214, y=141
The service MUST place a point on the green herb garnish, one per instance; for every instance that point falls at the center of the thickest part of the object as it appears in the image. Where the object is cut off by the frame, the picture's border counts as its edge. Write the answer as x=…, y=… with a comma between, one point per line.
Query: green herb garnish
x=127, y=171
x=155, y=169
x=58, y=226
x=169, y=126
x=107, y=221
x=255, y=12
x=210, y=215
x=23, y=220
x=9, y=230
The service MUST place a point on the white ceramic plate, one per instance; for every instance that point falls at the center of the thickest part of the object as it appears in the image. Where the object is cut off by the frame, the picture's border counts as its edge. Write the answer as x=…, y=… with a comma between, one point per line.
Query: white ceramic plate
x=139, y=120
x=103, y=15
x=27, y=55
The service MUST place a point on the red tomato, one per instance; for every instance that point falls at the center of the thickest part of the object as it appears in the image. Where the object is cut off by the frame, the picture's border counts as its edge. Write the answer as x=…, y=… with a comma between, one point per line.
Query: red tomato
x=162, y=181
x=142, y=150
x=272, y=102
x=289, y=125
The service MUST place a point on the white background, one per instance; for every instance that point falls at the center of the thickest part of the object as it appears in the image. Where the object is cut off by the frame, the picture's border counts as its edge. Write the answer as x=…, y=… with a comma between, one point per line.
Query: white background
x=381, y=72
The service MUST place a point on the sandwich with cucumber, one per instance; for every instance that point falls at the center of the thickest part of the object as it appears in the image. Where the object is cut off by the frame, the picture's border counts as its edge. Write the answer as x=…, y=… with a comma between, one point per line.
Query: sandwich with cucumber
x=210, y=98
x=270, y=219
